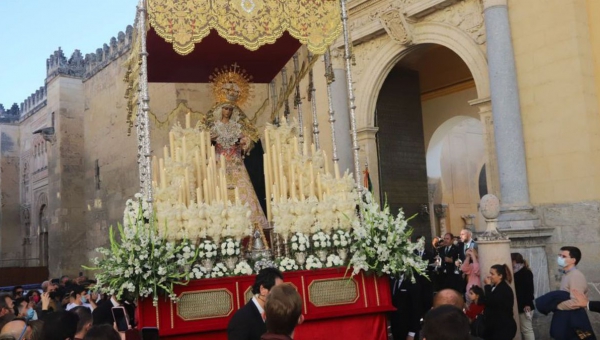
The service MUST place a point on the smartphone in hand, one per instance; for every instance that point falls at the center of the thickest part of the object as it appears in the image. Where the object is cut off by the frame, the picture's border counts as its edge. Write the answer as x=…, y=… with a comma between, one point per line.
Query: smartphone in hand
x=121, y=319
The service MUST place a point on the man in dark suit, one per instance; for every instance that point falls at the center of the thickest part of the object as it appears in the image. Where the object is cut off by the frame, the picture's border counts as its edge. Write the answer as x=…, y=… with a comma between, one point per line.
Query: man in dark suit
x=427, y=284
x=248, y=323
x=452, y=276
x=406, y=297
x=466, y=242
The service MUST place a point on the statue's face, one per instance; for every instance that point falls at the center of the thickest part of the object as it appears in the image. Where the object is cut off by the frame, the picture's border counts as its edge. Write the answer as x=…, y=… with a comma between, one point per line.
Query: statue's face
x=227, y=111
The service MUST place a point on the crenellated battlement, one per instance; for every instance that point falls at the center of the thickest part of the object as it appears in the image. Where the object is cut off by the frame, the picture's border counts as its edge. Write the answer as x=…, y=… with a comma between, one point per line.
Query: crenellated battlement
x=94, y=62
x=80, y=67
x=76, y=66
x=33, y=103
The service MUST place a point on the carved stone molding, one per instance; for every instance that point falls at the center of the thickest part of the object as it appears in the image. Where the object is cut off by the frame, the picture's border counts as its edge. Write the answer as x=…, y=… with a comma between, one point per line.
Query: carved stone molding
x=396, y=26
x=422, y=8
x=467, y=15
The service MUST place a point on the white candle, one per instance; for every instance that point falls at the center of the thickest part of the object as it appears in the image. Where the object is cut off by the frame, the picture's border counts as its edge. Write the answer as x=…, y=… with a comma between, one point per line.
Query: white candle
x=188, y=120
x=172, y=143
x=326, y=161
x=184, y=149
x=154, y=169
x=205, y=190
x=165, y=152
x=336, y=167
x=163, y=175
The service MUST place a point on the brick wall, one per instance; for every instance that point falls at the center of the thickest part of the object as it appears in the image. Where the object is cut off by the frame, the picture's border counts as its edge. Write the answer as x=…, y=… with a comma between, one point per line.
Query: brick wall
x=403, y=173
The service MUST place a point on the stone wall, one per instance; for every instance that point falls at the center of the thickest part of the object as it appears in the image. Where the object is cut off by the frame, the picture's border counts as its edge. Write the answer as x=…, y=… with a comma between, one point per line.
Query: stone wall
x=67, y=230
x=559, y=100
x=11, y=235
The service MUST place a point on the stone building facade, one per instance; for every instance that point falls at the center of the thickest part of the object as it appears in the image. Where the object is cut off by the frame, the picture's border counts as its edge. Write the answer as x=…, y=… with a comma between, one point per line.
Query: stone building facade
x=455, y=98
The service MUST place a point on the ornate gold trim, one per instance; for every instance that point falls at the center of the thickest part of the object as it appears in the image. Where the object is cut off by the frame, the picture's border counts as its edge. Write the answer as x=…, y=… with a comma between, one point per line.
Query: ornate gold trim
x=348, y=280
x=231, y=309
x=304, y=295
x=362, y=274
x=237, y=293
x=251, y=24
x=157, y=319
x=172, y=317
x=376, y=289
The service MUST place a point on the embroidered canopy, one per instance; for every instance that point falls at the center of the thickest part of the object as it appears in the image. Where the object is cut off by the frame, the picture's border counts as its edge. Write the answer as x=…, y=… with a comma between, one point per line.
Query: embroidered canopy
x=250, y=23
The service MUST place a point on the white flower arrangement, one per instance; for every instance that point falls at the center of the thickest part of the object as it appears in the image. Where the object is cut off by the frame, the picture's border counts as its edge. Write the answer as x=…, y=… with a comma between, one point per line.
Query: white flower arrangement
x=263, y=263
x=242, y=268
x=229, y=248
x=199, y=272
x=382, y=243
x=299, y=242
x=219, y=270
x=334, y=261
x=142, y=262
x=320, y=241
x=207, y=249
x=340, y=239
x=313, y=262
x=287, y=264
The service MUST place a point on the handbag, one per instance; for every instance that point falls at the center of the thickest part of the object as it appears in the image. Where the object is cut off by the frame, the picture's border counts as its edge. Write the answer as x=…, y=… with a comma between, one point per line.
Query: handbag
x=478, y=326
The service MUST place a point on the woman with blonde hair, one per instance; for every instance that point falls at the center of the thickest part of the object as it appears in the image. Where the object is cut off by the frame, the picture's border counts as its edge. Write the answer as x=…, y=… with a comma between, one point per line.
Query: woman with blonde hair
x=524, y=290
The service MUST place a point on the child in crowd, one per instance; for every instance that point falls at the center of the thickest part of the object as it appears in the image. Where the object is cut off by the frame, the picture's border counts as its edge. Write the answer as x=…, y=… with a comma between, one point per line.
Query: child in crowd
x=477, y=305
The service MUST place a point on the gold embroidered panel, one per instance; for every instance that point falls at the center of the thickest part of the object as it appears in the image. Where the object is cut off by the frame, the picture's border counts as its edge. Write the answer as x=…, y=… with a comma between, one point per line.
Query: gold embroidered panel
x=331, y=292
x=250, y=23
x=205, y=304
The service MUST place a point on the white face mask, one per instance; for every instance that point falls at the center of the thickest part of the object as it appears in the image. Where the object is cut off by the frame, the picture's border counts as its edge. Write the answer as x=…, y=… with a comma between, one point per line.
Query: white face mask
x=455, y=243
x=561, y=262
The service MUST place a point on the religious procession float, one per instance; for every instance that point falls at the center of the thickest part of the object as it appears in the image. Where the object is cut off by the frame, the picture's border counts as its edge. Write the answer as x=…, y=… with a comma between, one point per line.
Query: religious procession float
x=223, y=199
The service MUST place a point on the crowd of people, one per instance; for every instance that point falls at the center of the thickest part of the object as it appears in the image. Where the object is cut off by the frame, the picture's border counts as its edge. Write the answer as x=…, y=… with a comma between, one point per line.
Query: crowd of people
x=483, y=309
x=61, y=309
x=451, y=303
x=487, y=305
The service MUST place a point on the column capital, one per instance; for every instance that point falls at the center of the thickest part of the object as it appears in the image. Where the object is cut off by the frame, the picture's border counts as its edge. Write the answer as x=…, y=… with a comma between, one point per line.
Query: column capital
x=366, y=133
x=494, y=3
x=483, y=104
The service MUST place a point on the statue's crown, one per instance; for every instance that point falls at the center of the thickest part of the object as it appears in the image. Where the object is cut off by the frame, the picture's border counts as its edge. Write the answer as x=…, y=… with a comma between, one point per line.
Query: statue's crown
x=231, y=84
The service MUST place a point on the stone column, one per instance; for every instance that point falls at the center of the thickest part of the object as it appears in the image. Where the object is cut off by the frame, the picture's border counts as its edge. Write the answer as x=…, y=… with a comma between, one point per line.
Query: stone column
x=494, y=247
x=441, y=211
x=342, y=121
x=516, y=211
x=367, y=140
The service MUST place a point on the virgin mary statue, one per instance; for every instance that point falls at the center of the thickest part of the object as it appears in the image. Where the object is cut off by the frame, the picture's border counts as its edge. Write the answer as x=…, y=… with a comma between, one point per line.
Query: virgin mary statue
x=234, y=137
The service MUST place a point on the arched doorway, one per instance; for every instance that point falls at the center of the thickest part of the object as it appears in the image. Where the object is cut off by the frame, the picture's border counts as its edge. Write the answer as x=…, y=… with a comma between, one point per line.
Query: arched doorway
x=429, y=136
x=42, y=226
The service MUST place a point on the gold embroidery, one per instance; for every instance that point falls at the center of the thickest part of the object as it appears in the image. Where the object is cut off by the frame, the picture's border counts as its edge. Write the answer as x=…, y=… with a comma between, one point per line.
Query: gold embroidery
x=251, y=24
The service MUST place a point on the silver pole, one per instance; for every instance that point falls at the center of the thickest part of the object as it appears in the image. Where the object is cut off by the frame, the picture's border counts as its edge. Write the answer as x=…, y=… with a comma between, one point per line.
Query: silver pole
x=352, y=105
x=144, y=153
x=298, y=101
x=274, y=112
x=330, y=79
x=313, y=104
x=284, y=85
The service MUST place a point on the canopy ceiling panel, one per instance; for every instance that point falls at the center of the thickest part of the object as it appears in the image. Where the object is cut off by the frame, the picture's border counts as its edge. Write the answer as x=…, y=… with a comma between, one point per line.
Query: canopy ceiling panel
x=167, y=66
x=249, y=23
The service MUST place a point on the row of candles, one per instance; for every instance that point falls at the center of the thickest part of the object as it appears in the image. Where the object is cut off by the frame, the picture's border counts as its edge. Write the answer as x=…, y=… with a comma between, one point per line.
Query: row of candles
x=210, y=180
x=283, y=180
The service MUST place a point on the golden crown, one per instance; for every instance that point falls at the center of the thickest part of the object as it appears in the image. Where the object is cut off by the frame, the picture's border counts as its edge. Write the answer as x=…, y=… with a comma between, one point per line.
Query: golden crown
x=231, y=84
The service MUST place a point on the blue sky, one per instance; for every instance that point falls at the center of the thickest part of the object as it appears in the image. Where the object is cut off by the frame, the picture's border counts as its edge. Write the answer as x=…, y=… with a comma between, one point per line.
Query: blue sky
x=31, y=30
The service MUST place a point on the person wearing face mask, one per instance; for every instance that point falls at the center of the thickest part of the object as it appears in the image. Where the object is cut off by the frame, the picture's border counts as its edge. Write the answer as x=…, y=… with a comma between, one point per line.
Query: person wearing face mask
x=79, y=297
x=524, y=289
x=24, y=309
x=452, y=277
x=567, y=261
x=569, y=320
